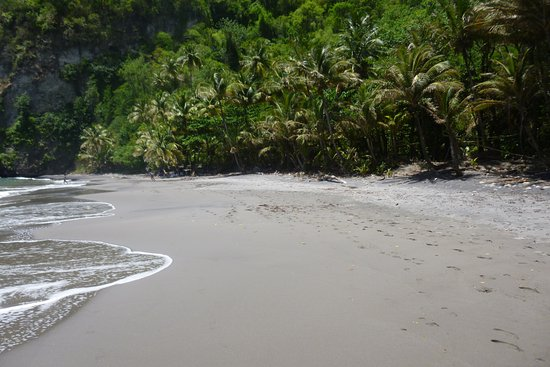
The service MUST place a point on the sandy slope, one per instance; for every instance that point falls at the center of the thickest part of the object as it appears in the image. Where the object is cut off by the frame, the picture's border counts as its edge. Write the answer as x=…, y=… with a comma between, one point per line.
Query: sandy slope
x=277, y=270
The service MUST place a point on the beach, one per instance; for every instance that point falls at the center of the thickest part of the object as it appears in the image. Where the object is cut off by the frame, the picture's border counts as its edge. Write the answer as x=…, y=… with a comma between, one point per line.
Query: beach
x=287, y=270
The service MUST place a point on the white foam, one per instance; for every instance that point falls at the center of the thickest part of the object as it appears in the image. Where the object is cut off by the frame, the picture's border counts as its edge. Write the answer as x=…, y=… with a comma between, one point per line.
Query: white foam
x=55, y=297
x=27, y=288
x=55, y=184
x=21, y=216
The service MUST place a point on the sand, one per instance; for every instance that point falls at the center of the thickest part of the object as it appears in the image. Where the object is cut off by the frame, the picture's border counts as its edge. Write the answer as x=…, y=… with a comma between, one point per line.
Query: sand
x=279, y=270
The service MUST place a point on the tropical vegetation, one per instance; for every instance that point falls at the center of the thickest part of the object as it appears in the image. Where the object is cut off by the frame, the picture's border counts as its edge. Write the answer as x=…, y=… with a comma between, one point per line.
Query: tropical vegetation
x=352, y=86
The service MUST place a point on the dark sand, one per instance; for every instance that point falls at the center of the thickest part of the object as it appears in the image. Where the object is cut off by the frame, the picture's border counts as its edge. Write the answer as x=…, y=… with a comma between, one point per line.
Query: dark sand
x=278, y=270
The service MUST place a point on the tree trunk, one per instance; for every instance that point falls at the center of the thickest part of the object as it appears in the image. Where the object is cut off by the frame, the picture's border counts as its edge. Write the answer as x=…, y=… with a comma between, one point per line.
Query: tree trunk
x=531, y=139
x=480, y=133
x=228, y=137
x=423, y=147
x=467, y=65
x=331, y=134
x=455, y=149
x=370, y=146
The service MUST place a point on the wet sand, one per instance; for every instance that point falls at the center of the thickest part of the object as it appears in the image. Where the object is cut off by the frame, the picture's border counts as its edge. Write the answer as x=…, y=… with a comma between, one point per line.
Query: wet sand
x=279, y=270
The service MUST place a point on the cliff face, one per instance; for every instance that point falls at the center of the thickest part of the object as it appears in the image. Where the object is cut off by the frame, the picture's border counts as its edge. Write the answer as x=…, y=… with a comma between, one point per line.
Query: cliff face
x=44, y=71
x=47, y=92
x=40, y=76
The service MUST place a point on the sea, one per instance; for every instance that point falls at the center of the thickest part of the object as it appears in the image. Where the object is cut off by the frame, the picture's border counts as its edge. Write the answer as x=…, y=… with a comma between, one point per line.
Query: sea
x=44, y=281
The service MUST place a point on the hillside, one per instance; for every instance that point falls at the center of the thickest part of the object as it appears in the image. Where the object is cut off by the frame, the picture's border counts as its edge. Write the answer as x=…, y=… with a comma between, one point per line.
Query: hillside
x=309, y=85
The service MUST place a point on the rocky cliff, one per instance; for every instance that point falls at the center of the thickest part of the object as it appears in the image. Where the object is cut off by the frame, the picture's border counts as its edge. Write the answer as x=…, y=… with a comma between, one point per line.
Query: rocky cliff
x=40, y=72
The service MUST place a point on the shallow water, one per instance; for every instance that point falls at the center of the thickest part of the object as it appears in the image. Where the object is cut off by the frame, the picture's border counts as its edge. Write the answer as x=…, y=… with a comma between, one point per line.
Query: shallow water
x=43, y=281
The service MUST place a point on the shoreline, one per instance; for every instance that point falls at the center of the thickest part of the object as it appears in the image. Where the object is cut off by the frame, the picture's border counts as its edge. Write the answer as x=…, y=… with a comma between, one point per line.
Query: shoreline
x=281, y=270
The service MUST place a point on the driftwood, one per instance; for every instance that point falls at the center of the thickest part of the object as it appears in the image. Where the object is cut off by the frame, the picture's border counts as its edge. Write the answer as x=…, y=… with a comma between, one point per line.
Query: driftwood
x=331, y=178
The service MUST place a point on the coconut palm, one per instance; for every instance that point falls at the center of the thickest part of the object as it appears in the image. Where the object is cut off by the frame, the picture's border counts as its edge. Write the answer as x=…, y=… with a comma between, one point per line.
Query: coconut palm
x=364, y=121
x=515, y=87
x=168, y=77
x=325, y=70
x=411, y=81
x=283, y=128
x=362, y=43
x=514, y=21
x=191, y=59
x=181, y=106
x=211, y=100
x=452, y=109
x=243, y=92
x=257, y=64
x=141, y=113
x=458, y=14
x=159, y=148
x=96, y=147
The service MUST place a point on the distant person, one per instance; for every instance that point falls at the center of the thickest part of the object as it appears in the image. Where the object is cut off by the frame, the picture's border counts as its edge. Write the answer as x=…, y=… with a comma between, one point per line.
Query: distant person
x=151, y=174
x=65, y=181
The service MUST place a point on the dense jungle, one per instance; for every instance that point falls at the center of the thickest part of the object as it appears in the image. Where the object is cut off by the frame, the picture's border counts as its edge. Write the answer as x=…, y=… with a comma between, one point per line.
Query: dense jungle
x=347, y=87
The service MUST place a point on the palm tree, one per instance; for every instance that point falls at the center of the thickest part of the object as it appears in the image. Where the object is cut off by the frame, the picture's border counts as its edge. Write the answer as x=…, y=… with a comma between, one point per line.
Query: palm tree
x=140, y=113
x=520, y=24
x=409, y=83
x=158, y=147
x=283, y=128
x=515, y=87
x=244, y=93
x=96, y=147
x=361, y=41
x=514, y=21
x=365, y=119
x=257, y=64
x=168, y=77
x=323, y=71
x=192, y=60
x=455, y=31
x=211, y=100
x=181, y=106
x=451, y=109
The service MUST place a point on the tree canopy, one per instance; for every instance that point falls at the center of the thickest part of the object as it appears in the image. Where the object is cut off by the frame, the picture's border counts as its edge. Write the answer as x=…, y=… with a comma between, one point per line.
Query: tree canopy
x=352, y=86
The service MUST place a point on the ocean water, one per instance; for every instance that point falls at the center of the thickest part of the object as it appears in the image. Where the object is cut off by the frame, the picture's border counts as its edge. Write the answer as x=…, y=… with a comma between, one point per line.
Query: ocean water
x=44, y=281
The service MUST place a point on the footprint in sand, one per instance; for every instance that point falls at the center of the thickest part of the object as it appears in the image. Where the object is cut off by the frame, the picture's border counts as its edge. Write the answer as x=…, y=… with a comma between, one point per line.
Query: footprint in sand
x=458, y=250
x=506, y=343
x=483, y=289
x=485, y=257
x=428, y=323
x=453, y=267
x=530, y=289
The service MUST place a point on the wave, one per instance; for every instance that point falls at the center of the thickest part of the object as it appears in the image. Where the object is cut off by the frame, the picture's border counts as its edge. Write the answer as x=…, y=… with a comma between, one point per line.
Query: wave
x=22, y=185
x=69, y=263
x=45, y=280
x=31, y=213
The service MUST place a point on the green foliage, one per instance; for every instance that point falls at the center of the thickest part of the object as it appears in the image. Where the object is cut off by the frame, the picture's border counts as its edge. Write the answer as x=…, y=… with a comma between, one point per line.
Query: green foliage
x=349, y=86
x=307, y=18
x=40, y=144
x=164, y=40
x=399, y=19
x=96, y=148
